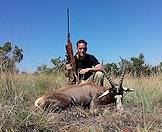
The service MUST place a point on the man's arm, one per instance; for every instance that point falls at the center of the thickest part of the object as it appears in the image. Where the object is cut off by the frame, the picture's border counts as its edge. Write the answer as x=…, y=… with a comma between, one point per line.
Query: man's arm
x=98, y=67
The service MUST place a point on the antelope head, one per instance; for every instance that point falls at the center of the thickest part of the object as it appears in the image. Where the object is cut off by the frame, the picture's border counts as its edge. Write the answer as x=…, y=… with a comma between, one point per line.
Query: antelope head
x=116, y=91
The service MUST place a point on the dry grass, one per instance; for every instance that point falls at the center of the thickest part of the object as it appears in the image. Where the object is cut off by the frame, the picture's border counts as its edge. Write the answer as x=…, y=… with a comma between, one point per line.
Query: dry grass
x=143, y=107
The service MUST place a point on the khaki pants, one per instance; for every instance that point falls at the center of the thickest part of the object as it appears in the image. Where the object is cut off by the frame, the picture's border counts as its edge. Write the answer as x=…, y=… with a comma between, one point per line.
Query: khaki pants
x=97, y=77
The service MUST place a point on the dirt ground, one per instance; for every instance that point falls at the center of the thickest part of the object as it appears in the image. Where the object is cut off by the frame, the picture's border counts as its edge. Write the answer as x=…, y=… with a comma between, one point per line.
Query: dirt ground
x=103, y=119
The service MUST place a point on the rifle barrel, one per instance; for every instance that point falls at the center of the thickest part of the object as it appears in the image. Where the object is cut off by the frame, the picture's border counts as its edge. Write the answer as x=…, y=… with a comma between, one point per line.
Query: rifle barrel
x=68, y=26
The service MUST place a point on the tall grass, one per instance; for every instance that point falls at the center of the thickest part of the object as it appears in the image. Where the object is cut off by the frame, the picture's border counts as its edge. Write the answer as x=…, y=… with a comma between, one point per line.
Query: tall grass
x=17, y=113
x=15, y=109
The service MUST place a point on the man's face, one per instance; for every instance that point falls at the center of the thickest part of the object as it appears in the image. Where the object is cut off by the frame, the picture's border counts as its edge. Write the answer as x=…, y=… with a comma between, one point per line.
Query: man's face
x=82, y=48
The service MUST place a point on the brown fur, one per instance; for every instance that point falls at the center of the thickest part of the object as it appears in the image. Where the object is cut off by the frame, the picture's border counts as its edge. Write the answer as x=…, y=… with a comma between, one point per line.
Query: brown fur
x=83, y=94
x=88, y=94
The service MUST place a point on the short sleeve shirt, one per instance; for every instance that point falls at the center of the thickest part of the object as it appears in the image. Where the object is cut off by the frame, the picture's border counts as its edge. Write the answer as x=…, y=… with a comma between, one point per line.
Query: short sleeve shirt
x=88, y=62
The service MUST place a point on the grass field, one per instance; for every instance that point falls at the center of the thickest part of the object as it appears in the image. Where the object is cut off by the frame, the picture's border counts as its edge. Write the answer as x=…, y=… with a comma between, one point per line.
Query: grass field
x=142, y=107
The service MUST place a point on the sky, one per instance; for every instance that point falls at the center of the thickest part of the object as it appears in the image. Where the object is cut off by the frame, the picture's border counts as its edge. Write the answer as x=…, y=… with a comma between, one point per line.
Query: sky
x=112, y=28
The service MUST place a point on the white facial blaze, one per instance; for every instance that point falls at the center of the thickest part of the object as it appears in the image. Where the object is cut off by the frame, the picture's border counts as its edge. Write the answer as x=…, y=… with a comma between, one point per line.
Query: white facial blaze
x=117, y=89
x=119, y=102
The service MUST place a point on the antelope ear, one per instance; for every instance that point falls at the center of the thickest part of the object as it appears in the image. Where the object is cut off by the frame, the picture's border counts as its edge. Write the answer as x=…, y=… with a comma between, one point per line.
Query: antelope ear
x=105, y=93
x=128, y=89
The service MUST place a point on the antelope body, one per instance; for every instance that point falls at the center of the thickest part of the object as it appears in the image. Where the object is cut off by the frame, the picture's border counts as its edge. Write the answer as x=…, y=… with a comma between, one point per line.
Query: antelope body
x=82, y=94
x=88, y=94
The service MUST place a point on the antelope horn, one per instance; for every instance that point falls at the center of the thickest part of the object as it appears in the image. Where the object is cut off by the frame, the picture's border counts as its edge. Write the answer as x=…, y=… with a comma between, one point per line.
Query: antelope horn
x=110, y=81
x=108, y=78
x=123, y=73
x=122, y=77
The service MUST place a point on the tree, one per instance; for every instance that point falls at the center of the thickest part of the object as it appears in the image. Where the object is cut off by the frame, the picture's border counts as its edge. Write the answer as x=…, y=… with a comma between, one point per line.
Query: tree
x=57, y=62
x=9, y=57
x=137, y=65
x=42, y=68
x=112, y=68
x=59, y=65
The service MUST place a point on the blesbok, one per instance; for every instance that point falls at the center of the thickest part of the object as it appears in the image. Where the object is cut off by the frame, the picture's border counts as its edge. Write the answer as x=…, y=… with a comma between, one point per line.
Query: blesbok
x=88, y=94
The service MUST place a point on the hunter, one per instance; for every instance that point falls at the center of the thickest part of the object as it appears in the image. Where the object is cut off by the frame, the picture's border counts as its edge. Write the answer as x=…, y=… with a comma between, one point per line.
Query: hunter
x=88, y=68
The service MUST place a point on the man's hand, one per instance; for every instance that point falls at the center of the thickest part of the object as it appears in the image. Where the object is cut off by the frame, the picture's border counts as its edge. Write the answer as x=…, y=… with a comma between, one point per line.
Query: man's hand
x=68, y=66
x=83, y=71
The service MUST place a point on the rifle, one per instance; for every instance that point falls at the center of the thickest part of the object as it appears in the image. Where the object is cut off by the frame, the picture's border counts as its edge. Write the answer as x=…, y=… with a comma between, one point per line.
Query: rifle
x=71, y=70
